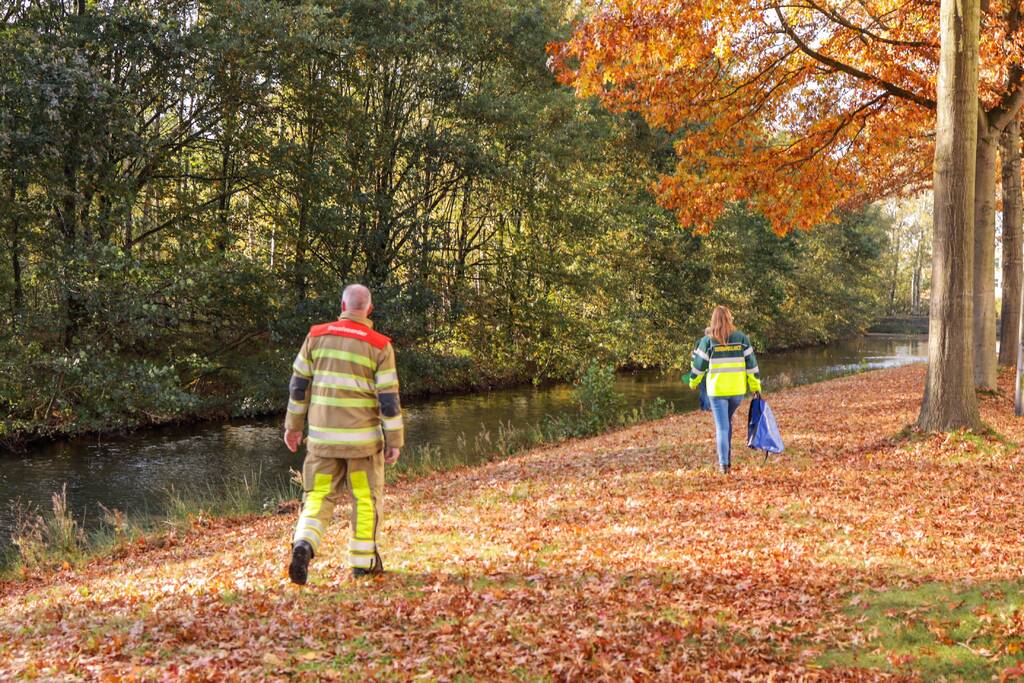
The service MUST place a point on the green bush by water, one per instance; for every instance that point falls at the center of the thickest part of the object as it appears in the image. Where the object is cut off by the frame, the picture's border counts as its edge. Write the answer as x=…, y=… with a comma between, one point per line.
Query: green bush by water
x=600, y=407
x=44, y=539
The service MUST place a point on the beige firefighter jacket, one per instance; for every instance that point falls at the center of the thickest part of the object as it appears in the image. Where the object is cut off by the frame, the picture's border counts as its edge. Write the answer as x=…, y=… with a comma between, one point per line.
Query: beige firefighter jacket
x=344, y=382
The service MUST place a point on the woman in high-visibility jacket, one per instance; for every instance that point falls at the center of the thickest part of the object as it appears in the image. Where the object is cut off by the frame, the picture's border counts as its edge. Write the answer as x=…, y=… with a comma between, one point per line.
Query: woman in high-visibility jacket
x=725, y=360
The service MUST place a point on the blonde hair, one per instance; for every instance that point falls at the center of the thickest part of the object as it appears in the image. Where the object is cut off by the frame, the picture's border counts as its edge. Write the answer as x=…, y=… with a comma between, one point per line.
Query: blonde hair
x=721, y=326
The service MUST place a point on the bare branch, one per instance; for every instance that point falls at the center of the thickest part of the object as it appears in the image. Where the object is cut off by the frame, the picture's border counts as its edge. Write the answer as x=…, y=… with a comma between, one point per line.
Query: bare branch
x=864, y=32
x=853, y=71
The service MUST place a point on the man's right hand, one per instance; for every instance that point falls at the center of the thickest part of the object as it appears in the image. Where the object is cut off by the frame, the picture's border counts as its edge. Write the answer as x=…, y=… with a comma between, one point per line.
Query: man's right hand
x=292, y=439
x=391, y=455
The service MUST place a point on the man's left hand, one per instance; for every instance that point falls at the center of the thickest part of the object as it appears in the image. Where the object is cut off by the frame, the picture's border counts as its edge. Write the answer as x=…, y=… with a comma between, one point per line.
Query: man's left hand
x=292, y=439
x=391, y=455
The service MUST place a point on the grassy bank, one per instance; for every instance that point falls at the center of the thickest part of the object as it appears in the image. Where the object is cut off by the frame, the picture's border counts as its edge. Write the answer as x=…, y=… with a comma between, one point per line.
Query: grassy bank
x=47, y=539
x=857, y=554
x=906, y=325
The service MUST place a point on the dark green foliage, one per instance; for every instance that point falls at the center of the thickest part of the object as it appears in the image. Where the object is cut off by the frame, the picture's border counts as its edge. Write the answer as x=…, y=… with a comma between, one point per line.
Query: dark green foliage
x=186, y=185
x=806, y=288
x=600, y=407
x=600, y=404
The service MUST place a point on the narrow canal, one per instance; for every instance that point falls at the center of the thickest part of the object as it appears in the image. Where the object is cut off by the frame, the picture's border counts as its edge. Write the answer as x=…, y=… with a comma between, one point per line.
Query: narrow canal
x=134, y=472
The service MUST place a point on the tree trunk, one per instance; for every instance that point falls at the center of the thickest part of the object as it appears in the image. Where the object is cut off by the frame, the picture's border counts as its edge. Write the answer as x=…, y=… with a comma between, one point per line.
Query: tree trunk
x=985, y=258
x=299, y=277
x=224, y=203
x=1018, y=394
x=1013, y=257
x=67, y=219
x=894, y=277
x=306, y=197
x=949, y=400
x=227, y=152
x=14, y=232
x=915, y=283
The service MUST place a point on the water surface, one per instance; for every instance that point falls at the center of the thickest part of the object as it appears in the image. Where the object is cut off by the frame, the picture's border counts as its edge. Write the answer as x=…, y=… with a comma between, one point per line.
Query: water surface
x=132, y=473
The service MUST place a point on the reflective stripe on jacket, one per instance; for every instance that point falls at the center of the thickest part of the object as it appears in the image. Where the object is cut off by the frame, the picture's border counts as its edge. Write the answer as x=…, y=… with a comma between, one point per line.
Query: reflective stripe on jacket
x=731, y=368
x=345, y=383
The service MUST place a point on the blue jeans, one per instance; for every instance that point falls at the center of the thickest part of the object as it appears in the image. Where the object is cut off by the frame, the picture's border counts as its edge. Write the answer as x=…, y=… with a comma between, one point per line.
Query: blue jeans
x=722, y=408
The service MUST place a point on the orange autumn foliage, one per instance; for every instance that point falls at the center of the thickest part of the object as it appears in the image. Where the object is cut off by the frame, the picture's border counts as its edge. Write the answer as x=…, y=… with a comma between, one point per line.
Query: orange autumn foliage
x=797, y=108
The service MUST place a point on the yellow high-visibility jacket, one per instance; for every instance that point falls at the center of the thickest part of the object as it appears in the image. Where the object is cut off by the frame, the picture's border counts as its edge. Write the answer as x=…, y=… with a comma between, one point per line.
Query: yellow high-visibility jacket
x=731, y=368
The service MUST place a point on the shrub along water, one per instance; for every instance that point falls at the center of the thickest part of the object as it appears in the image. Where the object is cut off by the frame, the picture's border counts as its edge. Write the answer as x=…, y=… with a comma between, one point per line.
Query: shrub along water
x=600, y=407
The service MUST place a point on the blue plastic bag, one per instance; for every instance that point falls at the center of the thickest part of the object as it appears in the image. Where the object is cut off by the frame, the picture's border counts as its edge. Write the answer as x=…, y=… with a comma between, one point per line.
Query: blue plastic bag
x=762, y=430
x=705, y=402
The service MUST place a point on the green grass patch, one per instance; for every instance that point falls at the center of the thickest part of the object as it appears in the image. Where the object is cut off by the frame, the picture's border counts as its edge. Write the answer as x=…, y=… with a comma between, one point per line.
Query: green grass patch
x=985, y=437
x=45, y=539
x=937, y=630
x=960, y=447
x=250, y=495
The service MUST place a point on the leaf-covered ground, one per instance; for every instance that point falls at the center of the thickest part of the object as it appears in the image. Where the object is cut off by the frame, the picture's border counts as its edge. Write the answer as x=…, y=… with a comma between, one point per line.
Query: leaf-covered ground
x=855, y=555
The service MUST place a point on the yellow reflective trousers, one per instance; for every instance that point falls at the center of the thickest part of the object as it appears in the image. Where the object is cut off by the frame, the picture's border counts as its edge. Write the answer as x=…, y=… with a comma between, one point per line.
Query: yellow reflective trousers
x=324, y=480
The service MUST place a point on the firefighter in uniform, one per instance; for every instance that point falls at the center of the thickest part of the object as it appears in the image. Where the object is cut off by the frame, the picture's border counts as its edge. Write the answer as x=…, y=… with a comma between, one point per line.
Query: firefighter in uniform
x=345, y=384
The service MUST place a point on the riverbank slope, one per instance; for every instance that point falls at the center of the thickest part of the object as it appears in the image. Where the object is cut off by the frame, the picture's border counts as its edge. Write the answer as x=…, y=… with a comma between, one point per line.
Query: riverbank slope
x=626, y=555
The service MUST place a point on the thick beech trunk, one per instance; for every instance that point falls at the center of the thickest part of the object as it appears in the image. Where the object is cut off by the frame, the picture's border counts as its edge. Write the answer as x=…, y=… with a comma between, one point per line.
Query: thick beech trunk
x=985, y=258
x=949, y=399
x=1013, y=257
x=1018, y=394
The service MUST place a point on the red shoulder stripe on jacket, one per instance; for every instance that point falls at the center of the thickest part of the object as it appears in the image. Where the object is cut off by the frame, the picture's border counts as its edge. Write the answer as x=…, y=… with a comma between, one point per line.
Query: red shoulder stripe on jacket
x=353, y=330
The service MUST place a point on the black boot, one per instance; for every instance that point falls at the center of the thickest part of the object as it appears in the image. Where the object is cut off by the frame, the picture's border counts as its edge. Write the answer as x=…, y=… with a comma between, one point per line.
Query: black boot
x=298, y=570
x=376, y=568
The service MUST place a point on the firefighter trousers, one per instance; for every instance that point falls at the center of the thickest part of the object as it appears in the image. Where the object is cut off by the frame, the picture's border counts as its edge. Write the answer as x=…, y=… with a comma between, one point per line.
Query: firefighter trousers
x=325, y=481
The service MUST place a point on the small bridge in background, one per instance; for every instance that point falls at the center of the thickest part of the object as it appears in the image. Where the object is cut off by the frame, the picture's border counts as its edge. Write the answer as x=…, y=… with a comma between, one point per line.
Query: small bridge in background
x=905, y=324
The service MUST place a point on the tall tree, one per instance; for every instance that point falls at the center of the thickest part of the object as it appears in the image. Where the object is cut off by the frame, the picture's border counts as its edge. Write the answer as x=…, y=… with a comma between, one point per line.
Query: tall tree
x=996, y=114
x=799, y=107
x=917, y=267
x=230, y=162
x=949, y=399
x=1013, y=256
x=909, y=244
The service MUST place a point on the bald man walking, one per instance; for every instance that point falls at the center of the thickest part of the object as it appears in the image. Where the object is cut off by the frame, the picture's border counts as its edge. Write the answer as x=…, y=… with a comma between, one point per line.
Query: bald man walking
x=345, y=382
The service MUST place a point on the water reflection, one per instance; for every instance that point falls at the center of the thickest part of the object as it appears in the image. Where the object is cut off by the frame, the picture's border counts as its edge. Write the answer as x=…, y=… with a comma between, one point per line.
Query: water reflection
x=131, y=473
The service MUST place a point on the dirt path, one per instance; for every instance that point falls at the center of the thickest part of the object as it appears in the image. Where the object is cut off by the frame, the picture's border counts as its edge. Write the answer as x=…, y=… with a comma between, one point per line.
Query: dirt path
x=625, y=556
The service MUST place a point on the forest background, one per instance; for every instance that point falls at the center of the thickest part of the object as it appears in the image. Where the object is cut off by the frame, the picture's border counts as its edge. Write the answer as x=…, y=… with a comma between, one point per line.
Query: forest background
x=186, y=185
